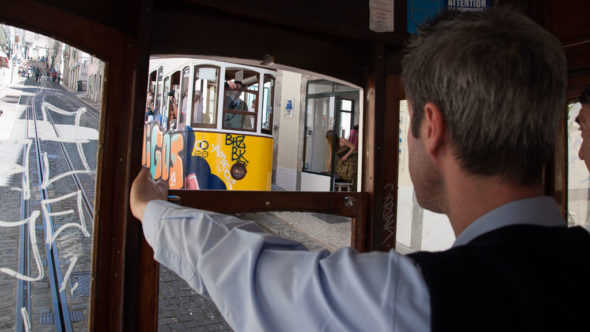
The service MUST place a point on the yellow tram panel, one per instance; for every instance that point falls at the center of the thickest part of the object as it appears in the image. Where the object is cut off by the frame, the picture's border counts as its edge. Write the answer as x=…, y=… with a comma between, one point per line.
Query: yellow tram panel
x=223, y=150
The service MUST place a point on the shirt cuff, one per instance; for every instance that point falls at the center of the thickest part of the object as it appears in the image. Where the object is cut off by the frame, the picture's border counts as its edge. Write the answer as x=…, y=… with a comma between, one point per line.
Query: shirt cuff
x=152, y=216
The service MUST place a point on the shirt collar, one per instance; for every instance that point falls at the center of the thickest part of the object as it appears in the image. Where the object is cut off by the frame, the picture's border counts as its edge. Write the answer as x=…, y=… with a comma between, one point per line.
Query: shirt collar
x=541, y=211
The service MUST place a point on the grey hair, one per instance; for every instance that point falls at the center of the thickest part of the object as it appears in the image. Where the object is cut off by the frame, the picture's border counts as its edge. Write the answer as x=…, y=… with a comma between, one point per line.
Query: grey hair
x=499, y=80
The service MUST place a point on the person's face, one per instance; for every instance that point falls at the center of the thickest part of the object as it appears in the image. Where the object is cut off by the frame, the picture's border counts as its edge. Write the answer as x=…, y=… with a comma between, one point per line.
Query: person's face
x=237, y=91
x=427, y=180
x=583, y=120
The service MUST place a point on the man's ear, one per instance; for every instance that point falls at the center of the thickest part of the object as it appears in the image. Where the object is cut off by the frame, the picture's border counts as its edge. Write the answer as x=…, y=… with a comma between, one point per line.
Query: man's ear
x=433, y=130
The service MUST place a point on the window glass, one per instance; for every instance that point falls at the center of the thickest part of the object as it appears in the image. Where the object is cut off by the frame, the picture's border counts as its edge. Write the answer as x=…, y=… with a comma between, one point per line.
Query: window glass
x=158, y=95
x=267, y=102
x=183, y=106
x=165, y=103
x=205, y=97
x=173, y=96
x=345, y=124
x=149, y=105
x=578, y=180
x=318, y=138
x=320, y=87
x=240, y=99
x=48, y=166
x=346, y=105
x=417, y=229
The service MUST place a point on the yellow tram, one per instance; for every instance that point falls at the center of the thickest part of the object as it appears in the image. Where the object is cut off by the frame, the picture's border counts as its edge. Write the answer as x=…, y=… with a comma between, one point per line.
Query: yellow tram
x=209, y=124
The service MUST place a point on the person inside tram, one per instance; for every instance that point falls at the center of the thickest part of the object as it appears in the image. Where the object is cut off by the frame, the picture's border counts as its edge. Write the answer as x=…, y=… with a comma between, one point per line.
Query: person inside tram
x=253, y=105
x=485, y=92
x=354, y=136
x=233, y=101
x=149, y=106
x=183, y=109
x=346, y=158
x=173, y=107
x=583, y=120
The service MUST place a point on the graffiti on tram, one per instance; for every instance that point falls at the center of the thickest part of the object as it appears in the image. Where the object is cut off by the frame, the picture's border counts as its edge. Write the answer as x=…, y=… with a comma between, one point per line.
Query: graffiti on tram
x=193, y=159
x=169, y=159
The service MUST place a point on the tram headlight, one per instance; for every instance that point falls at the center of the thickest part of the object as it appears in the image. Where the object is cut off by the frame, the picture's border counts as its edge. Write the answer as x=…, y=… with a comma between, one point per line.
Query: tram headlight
x=238, y=171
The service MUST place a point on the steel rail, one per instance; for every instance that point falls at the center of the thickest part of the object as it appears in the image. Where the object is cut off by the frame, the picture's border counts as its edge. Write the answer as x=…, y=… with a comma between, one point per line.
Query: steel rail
x=61, y=312
x=87, y=204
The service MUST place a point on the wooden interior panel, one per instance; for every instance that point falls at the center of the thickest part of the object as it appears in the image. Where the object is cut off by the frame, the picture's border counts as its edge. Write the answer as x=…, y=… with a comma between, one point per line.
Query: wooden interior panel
x=348, y=18
x=568, y=20
x=222, y=36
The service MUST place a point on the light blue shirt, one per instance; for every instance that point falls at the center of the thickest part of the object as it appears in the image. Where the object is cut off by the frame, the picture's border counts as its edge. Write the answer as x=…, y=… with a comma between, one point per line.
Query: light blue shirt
x=541, y=211
x=262, y=282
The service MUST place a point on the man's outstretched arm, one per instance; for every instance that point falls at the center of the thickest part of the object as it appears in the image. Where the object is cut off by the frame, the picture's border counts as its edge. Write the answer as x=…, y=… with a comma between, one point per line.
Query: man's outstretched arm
x=262, y=282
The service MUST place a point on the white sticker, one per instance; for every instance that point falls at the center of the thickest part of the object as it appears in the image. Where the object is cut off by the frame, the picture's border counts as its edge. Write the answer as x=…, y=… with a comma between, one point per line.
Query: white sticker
x=381, y=15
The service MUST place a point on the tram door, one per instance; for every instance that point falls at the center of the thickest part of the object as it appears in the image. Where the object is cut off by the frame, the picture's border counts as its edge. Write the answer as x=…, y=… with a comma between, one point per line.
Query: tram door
x=331, y=114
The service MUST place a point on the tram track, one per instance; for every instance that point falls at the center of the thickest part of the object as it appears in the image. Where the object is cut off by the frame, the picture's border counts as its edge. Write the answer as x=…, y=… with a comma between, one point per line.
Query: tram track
x=88, y=205
x=61, y=316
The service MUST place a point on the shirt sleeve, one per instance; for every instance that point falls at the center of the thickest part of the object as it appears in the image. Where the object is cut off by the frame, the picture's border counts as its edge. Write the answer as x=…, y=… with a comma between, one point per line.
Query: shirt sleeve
x=262, y=282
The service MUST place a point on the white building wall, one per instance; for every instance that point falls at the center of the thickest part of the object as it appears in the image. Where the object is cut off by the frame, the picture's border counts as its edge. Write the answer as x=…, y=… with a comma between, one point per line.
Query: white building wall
x=289, y=135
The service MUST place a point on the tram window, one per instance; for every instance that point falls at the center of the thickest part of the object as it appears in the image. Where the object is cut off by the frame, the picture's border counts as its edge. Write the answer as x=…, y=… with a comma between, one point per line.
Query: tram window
x=241, y=91
x=417, y=229
x=48, y=183
x=345, y=118
x=164, y=118
x=149, y=106
x=173, y=97
x=267, y=102
x=158, y=96
x=578, y=191
x=205, y=96
x=183, y=97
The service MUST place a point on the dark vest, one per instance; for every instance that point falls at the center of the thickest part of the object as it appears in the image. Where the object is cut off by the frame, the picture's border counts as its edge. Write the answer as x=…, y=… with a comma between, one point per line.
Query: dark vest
x=516, y=278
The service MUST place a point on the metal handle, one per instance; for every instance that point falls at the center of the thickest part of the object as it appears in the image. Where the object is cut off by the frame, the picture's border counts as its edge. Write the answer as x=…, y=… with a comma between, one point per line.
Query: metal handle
x=349, y=201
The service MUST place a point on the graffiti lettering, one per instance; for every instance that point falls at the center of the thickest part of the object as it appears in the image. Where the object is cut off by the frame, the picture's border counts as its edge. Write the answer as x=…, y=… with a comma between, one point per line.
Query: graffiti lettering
x=156, y=146
x=144, y=151
x=223, y=166
x=177, y=168
x=166, y=162
x=201, y=145
x=388, y=213
x=164, y=156
x=238, y=150
x=235, y=140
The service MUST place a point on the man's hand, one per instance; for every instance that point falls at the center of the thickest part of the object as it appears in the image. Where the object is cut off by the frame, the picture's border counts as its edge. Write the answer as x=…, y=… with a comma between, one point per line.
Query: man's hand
x=143, y=190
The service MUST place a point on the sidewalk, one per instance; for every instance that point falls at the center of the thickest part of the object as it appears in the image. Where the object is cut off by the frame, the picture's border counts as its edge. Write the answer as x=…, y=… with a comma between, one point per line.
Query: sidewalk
x=97, y=105
x=314, y=230
x=10, y=110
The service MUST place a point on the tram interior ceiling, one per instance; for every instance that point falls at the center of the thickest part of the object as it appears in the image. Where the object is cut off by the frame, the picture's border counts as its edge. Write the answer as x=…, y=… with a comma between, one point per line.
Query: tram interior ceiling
x=330, y=38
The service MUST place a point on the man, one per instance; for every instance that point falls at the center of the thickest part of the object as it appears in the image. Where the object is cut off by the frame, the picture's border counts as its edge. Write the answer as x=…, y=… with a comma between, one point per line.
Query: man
x=232, y=101
x=173, y=106
x=485, y=91
x=584, y=120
